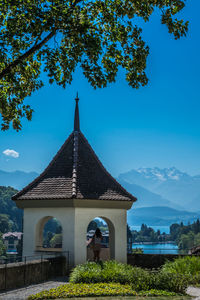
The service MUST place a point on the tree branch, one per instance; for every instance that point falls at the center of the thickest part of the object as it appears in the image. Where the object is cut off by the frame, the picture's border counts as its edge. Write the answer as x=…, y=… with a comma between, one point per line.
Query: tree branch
x=36, y=47
x=26, y=54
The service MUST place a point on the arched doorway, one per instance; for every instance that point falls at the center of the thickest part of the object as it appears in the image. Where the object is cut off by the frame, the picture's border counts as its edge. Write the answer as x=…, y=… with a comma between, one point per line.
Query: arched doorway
x=108, y=238
x=48, y=235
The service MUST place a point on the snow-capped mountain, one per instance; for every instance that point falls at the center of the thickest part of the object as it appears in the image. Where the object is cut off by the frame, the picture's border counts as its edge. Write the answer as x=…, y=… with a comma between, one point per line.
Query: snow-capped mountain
x=172, y=184
x=163, y=174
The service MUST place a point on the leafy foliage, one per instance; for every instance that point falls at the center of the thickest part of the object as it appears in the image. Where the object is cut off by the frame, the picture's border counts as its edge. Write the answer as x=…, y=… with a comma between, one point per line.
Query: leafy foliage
x=5, y=223
x=138, y=278
x=53, y=225
x=2, y=247
x=176, y=230
x=109, y=271
x=56, y=241
x=11, y=216
x=52, y=233
x=186, y=236
x=137, y=251
x=188, y=266
x=98, y=289
x=169, y=282
x=114, y=279
x=188, y=241
x=57, y=36
x=148, y=234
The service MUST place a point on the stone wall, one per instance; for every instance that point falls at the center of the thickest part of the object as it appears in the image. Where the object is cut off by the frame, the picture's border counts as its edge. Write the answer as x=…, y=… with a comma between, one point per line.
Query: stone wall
x=150, y=261
x=16, y=275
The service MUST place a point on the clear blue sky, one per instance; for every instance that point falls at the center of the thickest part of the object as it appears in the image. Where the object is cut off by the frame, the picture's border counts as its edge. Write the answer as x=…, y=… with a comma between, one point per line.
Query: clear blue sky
x=158, y=125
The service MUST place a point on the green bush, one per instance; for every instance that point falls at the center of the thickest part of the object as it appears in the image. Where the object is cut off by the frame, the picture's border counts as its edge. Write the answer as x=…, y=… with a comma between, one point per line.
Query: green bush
x=188, y=266
x=137, y=251
x=116, y=279
x=146, y=280
x=138, y=278
x=98, y=289
x=110, y=271
x=169, y=282
x=89, y=272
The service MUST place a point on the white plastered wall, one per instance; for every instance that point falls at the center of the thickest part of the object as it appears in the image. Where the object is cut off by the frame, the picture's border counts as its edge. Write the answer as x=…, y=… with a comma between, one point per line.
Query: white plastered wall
x=116, y=220
x=74, y=222
x=33, y=218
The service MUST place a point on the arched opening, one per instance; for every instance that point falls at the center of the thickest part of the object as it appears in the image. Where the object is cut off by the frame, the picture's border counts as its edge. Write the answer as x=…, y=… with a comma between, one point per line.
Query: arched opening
x=49, y=235
x=106, y=227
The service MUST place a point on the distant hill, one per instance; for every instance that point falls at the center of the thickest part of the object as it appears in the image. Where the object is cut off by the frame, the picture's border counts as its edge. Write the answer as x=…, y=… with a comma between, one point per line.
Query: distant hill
x=9, y=208
x=159, y=215
x=145, y=197
x=149, y=185
x=170, y=183
x=17, y=179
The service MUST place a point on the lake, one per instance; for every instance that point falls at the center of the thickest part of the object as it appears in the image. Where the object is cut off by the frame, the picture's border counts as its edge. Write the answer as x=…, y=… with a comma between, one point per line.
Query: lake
x=157, y=248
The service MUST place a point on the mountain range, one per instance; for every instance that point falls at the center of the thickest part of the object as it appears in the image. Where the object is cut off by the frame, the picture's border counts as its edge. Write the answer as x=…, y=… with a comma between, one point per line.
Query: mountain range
x=146, y=198
x=160, y=216
x=16, y=179
x=165, y=196
x=179, y=188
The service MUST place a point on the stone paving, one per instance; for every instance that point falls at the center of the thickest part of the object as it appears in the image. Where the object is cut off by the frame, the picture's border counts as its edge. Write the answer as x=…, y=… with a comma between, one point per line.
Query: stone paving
x=23, y=293
x=193, y=291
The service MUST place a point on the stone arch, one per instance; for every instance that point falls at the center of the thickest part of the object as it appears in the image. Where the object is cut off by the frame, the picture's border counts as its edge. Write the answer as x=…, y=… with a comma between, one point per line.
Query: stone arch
x=39, y=234
x=111, y=229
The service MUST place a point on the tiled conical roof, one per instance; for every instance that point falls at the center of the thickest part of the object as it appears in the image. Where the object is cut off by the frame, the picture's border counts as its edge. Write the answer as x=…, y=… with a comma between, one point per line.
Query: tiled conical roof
x=75, y=172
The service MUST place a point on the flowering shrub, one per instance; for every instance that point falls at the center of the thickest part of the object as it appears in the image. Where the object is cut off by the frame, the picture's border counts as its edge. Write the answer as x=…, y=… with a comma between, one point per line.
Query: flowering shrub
x=98, y=289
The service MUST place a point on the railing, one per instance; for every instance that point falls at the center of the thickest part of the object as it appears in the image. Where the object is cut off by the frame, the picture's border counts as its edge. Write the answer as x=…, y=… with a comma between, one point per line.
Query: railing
x=24, y=262
x=17, y=258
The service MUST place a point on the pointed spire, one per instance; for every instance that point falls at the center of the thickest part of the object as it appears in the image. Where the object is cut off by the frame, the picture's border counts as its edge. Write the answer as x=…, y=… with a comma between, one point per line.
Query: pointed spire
x=76, y=116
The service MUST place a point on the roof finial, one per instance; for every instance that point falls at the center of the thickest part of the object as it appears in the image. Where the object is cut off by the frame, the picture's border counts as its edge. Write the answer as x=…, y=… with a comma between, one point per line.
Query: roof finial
x=76, y=116
x=77, y=98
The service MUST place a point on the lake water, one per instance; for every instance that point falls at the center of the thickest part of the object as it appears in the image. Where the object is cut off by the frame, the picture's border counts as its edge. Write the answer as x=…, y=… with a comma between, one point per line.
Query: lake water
x=157, y=248
x=161, y=228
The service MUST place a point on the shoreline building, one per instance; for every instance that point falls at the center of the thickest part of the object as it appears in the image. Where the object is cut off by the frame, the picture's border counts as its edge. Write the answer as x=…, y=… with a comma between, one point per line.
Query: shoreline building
x=75, y=188
x=11, y=240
